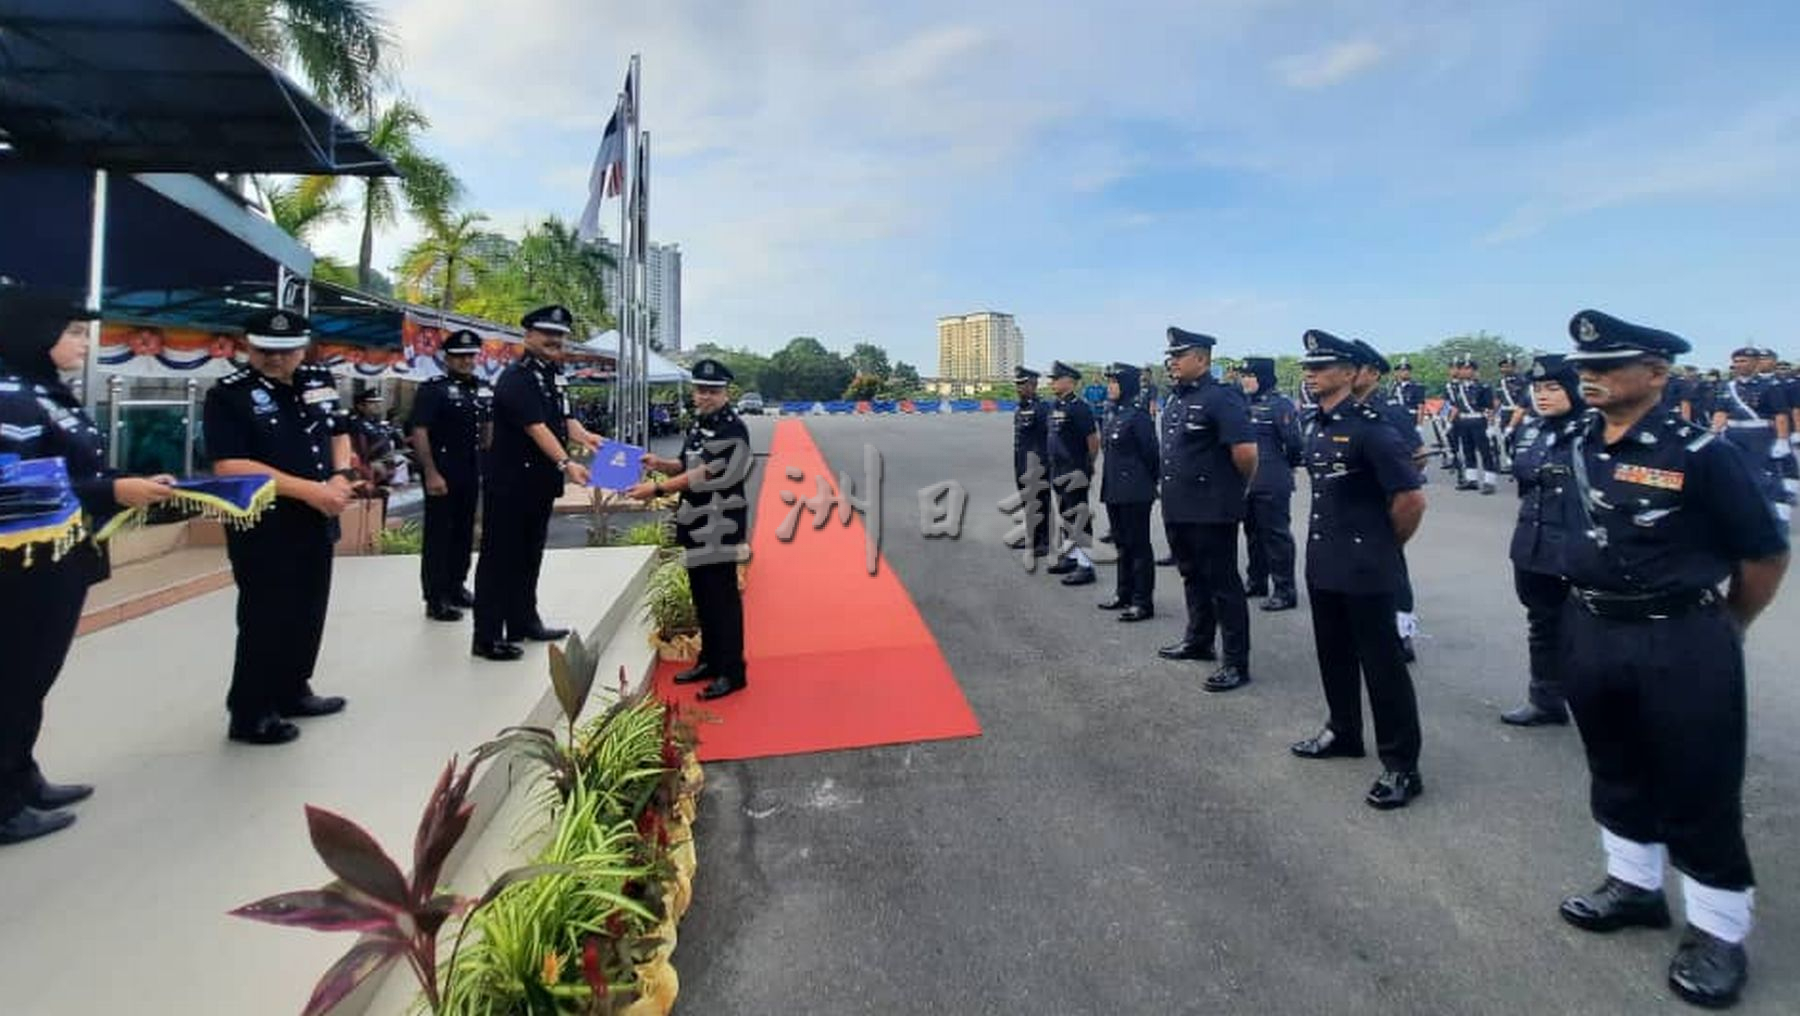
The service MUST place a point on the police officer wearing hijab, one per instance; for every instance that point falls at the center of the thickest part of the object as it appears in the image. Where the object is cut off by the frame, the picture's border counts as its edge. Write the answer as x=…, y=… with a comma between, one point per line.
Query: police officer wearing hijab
x=1074, y=442
x=711, y=525
x=1268, y=521
x=1366, y=504
x=41, y=335
x=1541, y=468
x=1208, y=458
x=1128, y=487
x=528, y=467
x=449, y=426
x=1031, y=442
x=281, y=417
x=1654, y=652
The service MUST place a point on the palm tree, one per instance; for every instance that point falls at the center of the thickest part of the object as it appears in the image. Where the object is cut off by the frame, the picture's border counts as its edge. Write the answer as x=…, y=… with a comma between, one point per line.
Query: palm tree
x=448, y=256
x=339, y=47
x=426, y=183
x=301, y=207
x=557, y=265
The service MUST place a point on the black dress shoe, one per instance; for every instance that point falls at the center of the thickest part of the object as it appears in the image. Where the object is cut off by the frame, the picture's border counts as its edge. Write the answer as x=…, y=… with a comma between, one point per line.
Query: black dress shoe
x=496, y=650
x=1708, y=971
x=698, y=672
x=442, y=612
x=1617, y=904
x=1166, y=562
x=1394, y=790
x=1529, y=715
x=270, y=729
x=1226, y=678
x=1466, y=485
x=51, y=796
x=1112, y=603
x=1275, y=603
x=1062, y=567
x=463, y=598
x=1079, y=577
x=313, y=705
x=1185, y=650
x=543, y=634
x=29, y=823
x=722, y=686
x=1131, y=614
x=1327, y=744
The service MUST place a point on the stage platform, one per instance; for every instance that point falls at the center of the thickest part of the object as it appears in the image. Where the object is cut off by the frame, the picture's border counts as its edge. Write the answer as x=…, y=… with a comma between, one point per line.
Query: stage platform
x=126, y=911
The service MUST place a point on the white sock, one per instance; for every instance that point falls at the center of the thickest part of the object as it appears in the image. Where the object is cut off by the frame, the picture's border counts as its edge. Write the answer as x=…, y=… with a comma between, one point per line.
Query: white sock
x=1487, y=477
x=1468, y=476
x=1406, y=624
x=1641, y=864
x=1721, y=913
x=1082, y=559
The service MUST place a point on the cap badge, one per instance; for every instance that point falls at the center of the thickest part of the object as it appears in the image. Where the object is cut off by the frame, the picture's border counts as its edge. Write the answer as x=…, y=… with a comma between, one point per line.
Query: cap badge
x=1586, y=331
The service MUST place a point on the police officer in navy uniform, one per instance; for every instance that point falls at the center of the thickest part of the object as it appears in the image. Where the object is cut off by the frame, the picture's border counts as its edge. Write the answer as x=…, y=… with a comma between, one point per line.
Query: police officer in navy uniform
x=42, y=334
x=283, y=418
x=1268, y=518
x=1130, y=470
x=1371, y=367
x=1752, y=410
x=1074, y=444
x=1471, y=405
x=711, y=525
x=1208, y=458
x=451, y=418
x=1407, y=393
x=1541, y=469
x=372, y=445
x=1366, y=504
x=528, y=466
x=1653, y=651
x=1512, y=402
x=1031, y=442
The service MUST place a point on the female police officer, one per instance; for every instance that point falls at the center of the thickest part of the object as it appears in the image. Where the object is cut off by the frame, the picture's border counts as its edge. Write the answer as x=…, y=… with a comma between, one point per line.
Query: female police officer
x=40, y=335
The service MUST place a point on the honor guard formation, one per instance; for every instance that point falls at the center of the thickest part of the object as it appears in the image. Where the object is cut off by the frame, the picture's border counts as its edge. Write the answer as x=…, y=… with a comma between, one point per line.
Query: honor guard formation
x=1651, y=530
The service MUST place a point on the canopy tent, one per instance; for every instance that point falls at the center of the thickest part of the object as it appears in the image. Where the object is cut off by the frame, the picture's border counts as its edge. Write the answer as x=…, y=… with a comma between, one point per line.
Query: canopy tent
x=148, y=85
x=659, y=370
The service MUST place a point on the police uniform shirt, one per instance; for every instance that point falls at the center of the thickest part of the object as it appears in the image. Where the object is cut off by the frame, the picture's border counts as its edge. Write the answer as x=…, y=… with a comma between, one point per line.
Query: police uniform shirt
x=1541, y=466
x=452, y=410
x=1408, y=395
x=1469, y=398
x=1071, y=423
x=712, y=442
x=1357, y=462
x=1670, y=509
x=1514, y=392
x=1402, y=420
x=1031, y=433
x=1278, y=444
x=1201, y=423
x=1678, y=390
x=528, y=391
x=1129, y=468
x=286, y=426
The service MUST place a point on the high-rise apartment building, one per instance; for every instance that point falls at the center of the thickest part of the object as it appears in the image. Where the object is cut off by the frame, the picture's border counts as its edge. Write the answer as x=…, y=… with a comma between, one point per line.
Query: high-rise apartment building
x=979, y=348
x=662, y=291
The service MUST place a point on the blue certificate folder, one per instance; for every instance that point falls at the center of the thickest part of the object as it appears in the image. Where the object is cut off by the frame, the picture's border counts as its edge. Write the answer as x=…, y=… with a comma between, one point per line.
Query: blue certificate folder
x=616, y=466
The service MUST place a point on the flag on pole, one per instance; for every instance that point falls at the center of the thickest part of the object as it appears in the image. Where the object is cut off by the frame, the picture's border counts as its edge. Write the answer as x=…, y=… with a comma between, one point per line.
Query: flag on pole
x=607, y=177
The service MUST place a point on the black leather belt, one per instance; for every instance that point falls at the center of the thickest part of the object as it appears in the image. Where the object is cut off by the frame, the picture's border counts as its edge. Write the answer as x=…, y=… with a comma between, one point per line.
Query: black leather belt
x=1651, y=607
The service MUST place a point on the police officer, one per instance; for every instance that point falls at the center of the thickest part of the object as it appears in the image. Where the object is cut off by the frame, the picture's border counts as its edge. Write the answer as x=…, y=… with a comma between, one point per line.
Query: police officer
x=282, y=418
x=43, y=333
x=1031, y=445
x=1512, y=403
x=1268, y=520
x=372, y=446
x=1752, y=411
x=1127, y=488
x=1654, y=651
x=1074, y=442
x=449, y=426
x=1543, y=529
x=1366, y=504
x=711, y=524
x=1371, y=366
x=1407, y=393
x=1208, y=458
x=528, y=466
x=1471, y=409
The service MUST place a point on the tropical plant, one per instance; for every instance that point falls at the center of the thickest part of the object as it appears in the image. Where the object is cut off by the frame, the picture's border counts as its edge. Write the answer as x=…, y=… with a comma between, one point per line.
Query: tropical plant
x=447, y=257
x=340, y=47
x=426, y=184
x=669, y=601
x=659, y=534
x=405, y=538
x=397, y=916
x=301, y=206
x=550, y=264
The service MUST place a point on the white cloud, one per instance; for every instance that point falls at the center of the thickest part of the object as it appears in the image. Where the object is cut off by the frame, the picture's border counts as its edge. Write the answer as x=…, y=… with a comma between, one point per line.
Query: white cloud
x=1332, y=66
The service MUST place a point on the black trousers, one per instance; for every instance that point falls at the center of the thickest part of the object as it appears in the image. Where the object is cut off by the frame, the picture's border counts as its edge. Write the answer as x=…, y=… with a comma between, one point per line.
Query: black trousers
x=1543, y=597
x=1074, y=488
x=720, y=608
x=514, y=526
x=1357, y=644
x=1130, y=524
x=282, y=566
x=1469, y=434
x=1269, y=539
x=449, y=542
x=1660, y=705
x=1403, y=596
x=1206, y=556
x=1040, y=530
x=42, y=606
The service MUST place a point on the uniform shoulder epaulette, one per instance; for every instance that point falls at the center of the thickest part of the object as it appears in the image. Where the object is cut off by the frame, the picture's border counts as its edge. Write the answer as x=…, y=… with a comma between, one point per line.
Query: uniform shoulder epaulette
x=237, y=377
x=1368, y=412
x=314, y=372
x=440, y=379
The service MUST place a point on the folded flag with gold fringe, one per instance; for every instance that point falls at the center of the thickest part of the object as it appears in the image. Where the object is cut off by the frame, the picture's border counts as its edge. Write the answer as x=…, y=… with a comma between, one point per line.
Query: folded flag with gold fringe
x=38, y=508
x=236, y=501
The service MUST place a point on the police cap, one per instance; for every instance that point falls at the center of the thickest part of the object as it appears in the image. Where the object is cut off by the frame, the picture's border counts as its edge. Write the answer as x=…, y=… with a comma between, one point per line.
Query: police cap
x=1324, y=348
x=554, y=318
x=1257, y=364
x=1061, y=369
x=277, y=330
x=1181, y=340
x=1119, y=370
x=1022, y=375
x=462, y=342
x=1403, y=364
x=1602, y=337
x=1369, y=356
x=711, y=373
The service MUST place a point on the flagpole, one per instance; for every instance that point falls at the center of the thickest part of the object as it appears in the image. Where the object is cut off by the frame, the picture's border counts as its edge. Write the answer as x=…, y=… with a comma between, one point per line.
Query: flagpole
x=645, y=310
x=636, y=91
x=619, y=315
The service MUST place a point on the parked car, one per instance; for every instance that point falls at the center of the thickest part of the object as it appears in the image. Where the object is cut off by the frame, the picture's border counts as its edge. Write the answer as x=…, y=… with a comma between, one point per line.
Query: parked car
x=750, y=404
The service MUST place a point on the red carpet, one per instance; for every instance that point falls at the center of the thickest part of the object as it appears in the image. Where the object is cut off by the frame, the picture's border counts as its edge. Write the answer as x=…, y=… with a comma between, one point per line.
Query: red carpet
x=838, y=658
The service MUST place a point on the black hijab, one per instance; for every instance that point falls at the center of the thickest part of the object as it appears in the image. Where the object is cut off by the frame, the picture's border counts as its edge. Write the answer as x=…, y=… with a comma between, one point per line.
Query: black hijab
x=31, y=322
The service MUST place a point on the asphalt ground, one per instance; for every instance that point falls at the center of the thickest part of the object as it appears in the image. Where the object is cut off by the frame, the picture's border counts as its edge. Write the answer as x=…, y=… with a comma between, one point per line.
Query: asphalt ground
x=1119, y=841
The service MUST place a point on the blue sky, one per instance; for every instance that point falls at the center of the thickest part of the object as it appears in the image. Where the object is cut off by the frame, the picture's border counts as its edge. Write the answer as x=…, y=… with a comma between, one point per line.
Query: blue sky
x=1397, y=170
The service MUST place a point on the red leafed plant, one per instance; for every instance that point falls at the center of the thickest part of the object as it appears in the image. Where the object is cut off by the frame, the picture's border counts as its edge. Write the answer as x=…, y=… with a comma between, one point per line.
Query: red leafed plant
x=397, y=916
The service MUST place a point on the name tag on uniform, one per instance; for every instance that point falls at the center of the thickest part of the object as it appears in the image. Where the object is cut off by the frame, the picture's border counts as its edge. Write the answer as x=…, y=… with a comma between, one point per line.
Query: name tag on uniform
x=314, y=396
x=484, y=392
x=1662, y=479
x=1341, y=438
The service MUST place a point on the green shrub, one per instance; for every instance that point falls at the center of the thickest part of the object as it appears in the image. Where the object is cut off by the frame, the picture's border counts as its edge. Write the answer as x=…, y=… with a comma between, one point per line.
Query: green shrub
x=669, y=601
x=406, y=538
